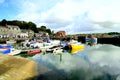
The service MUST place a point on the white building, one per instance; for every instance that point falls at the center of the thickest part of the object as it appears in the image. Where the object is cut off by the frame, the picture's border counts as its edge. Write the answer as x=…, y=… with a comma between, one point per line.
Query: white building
x=14, y=31
x=4, y=32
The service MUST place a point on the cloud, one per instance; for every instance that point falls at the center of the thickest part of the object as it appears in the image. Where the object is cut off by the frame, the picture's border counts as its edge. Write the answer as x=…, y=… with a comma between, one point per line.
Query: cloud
x=27, y=10
x=63, y=12
x=73, y=16
x=30, y=10
x=82, y=15
x=105, y=11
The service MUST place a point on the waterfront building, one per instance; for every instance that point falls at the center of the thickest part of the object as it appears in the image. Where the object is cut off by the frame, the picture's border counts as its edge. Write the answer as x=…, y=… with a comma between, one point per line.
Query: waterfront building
x=61, y=34
x=14, y=31
x=4, y=32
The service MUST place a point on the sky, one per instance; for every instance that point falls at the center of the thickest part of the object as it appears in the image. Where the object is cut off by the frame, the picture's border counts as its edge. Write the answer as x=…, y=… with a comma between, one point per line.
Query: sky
x=72, y=16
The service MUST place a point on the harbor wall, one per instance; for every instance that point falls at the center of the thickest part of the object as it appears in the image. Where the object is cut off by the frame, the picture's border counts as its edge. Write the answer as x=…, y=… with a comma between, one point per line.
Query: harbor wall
x=105, y=40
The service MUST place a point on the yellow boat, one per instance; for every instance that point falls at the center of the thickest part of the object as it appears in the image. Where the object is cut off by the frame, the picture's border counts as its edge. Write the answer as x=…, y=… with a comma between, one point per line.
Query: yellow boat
x=76, y=48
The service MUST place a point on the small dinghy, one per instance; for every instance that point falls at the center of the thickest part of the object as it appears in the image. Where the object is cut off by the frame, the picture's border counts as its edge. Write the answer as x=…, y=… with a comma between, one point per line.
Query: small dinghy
x=37, y=51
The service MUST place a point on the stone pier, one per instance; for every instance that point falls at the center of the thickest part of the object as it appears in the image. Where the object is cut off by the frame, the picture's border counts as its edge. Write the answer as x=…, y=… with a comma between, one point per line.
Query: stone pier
x=16, y=68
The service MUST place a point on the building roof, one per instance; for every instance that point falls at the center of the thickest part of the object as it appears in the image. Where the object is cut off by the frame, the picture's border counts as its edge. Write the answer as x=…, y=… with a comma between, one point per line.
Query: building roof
x=60, y=31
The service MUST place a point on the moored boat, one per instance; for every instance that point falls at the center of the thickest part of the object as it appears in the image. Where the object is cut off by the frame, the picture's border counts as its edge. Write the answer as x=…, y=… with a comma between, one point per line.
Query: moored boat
x=90, y=40
x=76, y=48
x=7, y=49
x=37, y=51
x=14, y=51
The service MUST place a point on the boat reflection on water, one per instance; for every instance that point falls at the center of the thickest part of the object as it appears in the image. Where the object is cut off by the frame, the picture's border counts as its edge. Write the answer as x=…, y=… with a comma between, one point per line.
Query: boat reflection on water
x=100, y=62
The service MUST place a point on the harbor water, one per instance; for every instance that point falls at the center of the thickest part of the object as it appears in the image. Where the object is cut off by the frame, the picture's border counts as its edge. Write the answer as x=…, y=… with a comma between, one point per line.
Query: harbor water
x=99, y=62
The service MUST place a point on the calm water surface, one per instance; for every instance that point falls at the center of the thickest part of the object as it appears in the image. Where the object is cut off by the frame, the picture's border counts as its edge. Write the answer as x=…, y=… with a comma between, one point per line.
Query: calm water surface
x=101, y=62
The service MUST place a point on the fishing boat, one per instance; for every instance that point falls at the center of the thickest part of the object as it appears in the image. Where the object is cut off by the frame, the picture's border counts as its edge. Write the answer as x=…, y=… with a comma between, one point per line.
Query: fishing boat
x=58, y=51
x=55, y=50
x=7, y=49
x=75, y=48
x=37, y=51
x=14, y=51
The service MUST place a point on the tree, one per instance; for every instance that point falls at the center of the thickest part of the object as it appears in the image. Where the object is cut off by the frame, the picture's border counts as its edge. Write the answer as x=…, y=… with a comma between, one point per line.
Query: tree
x=25, y=25
x=43, y=28
x=113, y=33
x=52, y=32
x=4, y=22
x=32, y=26
x=48, y=31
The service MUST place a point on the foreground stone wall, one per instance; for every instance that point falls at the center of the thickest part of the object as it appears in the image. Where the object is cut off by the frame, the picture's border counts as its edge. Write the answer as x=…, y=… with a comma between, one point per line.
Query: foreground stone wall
x=16, y=68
